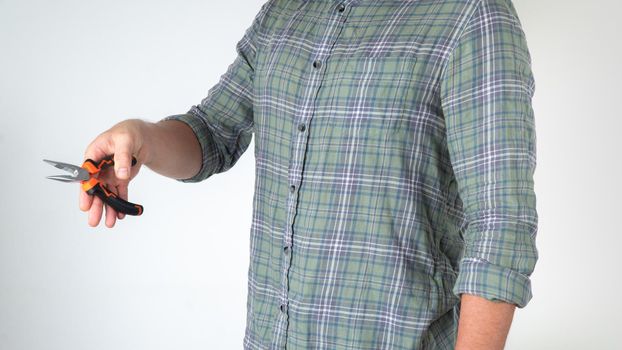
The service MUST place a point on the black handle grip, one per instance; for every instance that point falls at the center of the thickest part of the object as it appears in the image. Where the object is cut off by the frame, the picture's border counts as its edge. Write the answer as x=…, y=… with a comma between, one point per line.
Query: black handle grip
x=117, y=203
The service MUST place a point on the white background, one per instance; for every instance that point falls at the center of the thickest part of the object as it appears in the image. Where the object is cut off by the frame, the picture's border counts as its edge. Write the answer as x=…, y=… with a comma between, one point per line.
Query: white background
x=176, y=277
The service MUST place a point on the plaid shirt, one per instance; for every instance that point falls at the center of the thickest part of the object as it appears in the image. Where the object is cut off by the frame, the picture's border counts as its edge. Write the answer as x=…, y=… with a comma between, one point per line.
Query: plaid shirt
x=395, y=150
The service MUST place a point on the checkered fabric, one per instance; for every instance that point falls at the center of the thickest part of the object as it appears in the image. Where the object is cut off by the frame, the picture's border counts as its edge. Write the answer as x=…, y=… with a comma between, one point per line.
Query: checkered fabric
x=395, y=149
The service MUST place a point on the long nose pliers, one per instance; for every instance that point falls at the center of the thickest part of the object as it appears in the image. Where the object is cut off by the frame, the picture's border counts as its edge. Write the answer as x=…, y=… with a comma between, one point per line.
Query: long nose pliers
x=91, y=184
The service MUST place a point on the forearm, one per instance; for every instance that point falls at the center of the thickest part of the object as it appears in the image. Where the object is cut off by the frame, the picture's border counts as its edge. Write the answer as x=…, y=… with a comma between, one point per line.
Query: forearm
x=484, y=324
x=174, y=150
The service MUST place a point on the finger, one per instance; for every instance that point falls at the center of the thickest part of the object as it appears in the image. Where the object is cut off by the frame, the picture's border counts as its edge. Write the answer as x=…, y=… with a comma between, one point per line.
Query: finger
x=123, y=156
x=85, y=200
x=111, y=216
x=95, y=213
x=99, y=148
x=122, y=191
x=96, y=150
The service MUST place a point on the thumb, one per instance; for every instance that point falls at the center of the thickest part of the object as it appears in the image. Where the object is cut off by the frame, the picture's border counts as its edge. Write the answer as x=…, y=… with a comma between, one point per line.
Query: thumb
x=123, y=160
x=122, y=164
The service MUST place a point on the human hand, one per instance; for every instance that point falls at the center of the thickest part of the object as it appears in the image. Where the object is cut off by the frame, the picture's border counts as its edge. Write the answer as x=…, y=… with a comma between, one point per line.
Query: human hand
x=125, y=139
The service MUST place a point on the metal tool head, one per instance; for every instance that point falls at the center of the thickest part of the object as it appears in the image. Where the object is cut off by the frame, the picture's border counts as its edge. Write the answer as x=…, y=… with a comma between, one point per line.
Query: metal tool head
x=77, y=173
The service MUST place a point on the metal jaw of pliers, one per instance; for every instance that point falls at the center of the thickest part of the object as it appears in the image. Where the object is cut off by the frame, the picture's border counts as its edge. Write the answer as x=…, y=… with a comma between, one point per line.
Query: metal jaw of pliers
x=85, y=174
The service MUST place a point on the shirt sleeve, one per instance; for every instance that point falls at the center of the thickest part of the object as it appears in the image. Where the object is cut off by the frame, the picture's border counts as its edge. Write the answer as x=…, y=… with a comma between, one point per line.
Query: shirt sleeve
x=223, y=121
x=486, y=92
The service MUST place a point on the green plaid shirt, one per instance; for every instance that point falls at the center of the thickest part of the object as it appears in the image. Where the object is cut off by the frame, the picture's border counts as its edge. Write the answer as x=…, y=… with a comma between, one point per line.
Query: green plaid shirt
x=395, y=149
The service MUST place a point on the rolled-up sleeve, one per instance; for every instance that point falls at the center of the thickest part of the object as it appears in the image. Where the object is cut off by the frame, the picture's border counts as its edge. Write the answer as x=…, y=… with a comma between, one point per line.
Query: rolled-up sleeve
x=486, y=92
x=223, y=121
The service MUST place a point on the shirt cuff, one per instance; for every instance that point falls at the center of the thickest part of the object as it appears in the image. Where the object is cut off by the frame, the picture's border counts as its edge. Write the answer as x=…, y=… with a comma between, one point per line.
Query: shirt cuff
x=209, y=153
x=496, y=283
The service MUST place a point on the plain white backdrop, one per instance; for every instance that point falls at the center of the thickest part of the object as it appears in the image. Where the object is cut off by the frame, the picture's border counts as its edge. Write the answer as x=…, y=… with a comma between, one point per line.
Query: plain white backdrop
x=176, y=277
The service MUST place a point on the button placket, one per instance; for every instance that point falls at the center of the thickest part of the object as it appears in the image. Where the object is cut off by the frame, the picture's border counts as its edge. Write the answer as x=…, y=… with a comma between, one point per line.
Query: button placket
x=300, y=138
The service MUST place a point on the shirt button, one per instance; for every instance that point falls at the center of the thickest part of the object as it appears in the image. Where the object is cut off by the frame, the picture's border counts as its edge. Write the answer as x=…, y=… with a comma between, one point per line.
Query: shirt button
x=286, y=249
x=282, y=307
x=341, y=8
x=292, y=188
x=317, y=64
x=301, y=127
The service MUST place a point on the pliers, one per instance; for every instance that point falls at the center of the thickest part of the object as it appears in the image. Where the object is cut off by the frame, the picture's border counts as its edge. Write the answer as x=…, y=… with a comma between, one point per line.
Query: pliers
x=87, y=176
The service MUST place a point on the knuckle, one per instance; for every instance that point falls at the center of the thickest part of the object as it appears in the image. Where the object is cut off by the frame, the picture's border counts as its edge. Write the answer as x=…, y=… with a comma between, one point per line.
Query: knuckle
x=99, y=143
x=88, y=152
x=122, y=134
